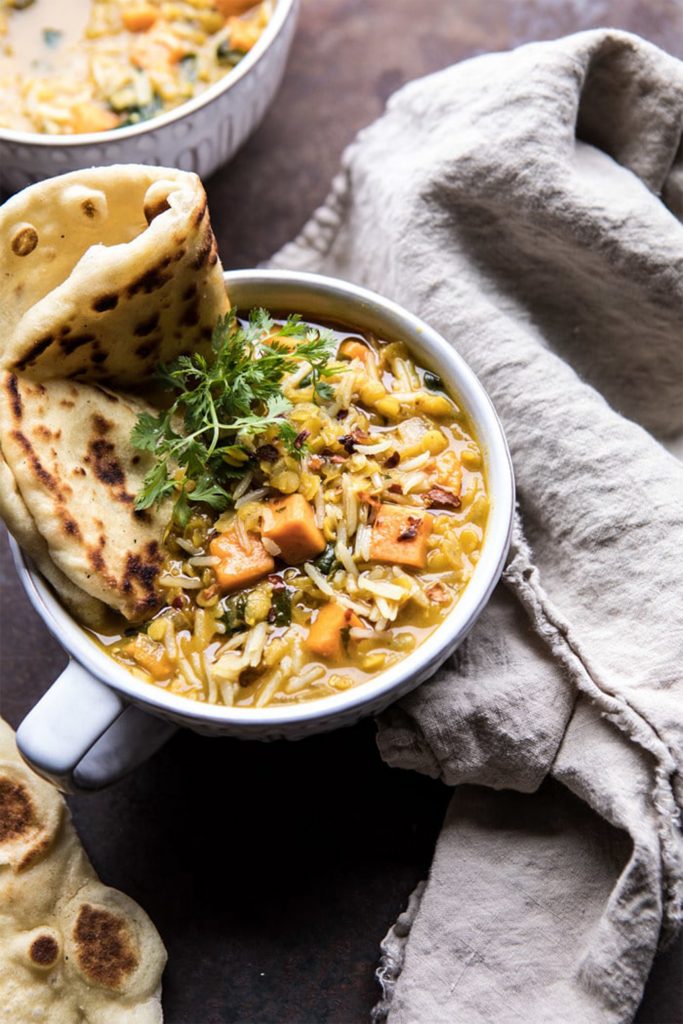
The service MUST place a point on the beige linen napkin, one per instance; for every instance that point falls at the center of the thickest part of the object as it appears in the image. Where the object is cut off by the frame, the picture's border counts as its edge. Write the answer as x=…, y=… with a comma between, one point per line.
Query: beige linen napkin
x=527, y=205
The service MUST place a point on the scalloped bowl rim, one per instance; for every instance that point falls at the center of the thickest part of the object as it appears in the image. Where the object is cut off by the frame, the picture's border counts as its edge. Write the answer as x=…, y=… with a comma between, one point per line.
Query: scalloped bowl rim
x=432, y=651
x=283, y=8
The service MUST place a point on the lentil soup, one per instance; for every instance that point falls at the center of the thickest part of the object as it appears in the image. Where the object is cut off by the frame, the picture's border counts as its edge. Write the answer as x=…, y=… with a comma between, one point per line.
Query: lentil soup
x=94, y=65
x=341, y=524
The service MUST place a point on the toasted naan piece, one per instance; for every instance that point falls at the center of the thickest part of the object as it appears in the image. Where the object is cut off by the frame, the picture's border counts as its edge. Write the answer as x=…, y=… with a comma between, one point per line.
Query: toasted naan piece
x=68, y=448
x=107, y=272
x=71, y=948
x=86, y=609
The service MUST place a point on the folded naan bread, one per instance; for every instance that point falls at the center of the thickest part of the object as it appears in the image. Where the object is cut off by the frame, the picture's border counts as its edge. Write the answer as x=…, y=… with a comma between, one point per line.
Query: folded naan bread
x=107, y=272
x=68, y=447
x=21, y=525
x=71, y=948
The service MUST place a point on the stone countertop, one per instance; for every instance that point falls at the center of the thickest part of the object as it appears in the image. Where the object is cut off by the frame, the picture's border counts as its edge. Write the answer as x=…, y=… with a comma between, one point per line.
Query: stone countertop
x=273, y=871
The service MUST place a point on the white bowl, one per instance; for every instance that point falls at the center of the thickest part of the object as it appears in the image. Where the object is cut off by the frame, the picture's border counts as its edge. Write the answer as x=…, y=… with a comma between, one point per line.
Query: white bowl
x=198, y=136
x=96, y=697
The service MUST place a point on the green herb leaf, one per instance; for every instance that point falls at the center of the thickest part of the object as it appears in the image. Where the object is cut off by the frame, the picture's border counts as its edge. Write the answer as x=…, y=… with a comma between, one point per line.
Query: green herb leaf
x=157, y=485
x=211, y=493
x=148, y=431
x=323, y=390
x=221, y=403
x=181, y=509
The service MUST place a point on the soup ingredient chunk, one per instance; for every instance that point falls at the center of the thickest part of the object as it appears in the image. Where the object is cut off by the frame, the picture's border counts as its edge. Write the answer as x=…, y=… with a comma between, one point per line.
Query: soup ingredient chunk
x=151, y=656
x=448, y=472
x=400, y=536
x=290, y=523
x=352, y=349
x=329, y=634
x=139, y=17
x=241, y=563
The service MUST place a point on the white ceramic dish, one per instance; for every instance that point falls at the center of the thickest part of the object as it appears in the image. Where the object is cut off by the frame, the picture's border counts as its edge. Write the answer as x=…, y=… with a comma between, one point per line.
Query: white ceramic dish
x=199, y=135
x=96, y=721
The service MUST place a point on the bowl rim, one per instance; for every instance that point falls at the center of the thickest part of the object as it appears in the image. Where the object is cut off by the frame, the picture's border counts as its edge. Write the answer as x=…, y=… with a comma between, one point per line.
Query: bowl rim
x=281, y=13
x=407, y=672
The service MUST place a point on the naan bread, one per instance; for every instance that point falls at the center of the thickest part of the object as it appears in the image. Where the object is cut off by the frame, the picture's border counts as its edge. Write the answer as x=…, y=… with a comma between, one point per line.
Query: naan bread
x=71, y=948
x=87, y=609
x=106, y=273
x=76, y=472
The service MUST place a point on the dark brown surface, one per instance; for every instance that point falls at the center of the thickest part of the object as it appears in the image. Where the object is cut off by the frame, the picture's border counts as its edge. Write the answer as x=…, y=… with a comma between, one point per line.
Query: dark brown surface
x=273, y=871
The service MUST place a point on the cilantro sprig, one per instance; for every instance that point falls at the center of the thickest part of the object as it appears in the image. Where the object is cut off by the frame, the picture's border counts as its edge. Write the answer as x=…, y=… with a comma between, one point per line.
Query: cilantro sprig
x=200, y=443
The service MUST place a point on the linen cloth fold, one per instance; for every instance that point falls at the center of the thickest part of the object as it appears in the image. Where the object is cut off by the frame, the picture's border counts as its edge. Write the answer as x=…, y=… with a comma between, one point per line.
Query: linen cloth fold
x=528, y=206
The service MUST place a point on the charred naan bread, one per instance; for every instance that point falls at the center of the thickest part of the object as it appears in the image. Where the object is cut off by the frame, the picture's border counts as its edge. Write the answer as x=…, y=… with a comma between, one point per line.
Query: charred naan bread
x=76, y=474
x=106, y=273
x=71, y=948
x=87, y=609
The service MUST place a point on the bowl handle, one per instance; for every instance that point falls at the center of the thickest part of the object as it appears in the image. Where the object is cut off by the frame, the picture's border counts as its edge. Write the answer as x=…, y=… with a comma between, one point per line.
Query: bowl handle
x=82, y=736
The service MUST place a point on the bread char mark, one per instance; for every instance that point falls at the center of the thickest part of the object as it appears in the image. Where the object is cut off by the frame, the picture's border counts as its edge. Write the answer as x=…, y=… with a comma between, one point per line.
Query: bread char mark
x=142, y=571
x=146, y=327
x=44, y=950
x=103, y=303
x=153, y=279
x=70, y=343
x=35, y=350
x=104, y=947
x=46, y=479
x=15, y=397
x=17, y=816
x=206, y=249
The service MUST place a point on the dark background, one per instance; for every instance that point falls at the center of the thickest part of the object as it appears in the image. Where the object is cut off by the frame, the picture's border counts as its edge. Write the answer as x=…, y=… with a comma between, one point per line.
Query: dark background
x=273, y=871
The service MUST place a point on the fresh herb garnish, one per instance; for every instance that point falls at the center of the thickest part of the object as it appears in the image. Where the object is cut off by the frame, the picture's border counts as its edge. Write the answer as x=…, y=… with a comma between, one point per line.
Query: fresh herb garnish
x=315, y=349
x=202, y=442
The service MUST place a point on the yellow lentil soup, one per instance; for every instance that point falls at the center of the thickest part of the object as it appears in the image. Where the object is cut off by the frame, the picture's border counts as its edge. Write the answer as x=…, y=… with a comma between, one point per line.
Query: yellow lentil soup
x=94, y=65
x=352, y=524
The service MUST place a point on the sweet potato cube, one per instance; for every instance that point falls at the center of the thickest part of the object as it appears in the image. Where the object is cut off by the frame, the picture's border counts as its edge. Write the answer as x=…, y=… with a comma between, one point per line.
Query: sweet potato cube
x=230, y=8
x=448, y=471
x=240, y=563
x=326, y=635
x=352, y=349
x=91, y=117
x=290, y=523
x=151, y=656
x=399, y=536
x=139, y=17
